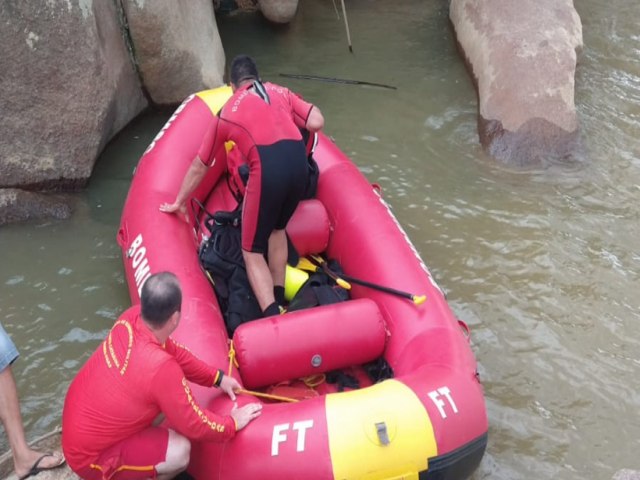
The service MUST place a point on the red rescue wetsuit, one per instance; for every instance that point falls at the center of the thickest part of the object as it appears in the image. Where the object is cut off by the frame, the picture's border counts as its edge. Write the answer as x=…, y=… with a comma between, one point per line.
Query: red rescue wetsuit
x=117, y=394
x=264, y=121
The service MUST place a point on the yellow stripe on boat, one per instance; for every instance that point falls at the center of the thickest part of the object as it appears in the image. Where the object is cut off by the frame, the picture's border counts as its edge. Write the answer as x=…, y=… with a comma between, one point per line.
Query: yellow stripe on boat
x=353, y=421
x=216, y=97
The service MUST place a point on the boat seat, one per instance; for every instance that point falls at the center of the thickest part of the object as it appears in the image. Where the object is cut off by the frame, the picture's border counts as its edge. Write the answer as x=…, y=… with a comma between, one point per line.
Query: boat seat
x=309, y=227
x=308, y=342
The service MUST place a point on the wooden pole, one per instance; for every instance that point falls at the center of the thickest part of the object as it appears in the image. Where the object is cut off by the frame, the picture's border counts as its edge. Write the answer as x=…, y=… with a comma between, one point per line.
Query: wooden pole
x=335, y=7
x=346, y=25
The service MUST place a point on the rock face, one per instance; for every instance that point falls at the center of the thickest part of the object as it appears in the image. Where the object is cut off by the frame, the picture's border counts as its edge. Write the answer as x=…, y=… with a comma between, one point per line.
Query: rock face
x=278, y=11
x=67, y=86
x=18, y=205
x=177, y=47
x=523, y=58
x=71, y=79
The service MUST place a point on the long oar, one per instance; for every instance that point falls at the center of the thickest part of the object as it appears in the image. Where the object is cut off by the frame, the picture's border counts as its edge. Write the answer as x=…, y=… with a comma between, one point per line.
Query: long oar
x=336, y=80
x=416, y=299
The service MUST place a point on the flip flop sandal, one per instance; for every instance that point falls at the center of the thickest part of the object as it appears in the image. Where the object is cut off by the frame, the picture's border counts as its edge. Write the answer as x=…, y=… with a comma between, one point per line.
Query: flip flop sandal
x=36, y=468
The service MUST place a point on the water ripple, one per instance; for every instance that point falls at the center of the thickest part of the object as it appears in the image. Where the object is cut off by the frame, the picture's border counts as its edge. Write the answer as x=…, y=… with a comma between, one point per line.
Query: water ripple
x=82, y=336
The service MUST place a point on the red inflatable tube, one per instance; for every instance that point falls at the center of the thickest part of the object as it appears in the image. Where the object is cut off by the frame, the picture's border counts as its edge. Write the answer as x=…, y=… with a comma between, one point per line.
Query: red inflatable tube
x=305, y=343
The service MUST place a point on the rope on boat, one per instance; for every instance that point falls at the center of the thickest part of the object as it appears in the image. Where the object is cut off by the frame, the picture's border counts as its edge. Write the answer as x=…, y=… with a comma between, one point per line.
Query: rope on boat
x=314, y=380
x=232, y=358
x=267, y=395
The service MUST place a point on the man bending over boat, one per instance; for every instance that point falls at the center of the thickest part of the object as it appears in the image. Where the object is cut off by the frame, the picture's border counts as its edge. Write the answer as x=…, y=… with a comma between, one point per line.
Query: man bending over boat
x=135, y=375
x=264, y=121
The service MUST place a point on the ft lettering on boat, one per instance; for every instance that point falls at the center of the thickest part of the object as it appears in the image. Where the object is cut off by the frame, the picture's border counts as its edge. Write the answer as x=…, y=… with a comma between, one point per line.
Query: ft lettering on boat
x=441, y=397
x=280, y=435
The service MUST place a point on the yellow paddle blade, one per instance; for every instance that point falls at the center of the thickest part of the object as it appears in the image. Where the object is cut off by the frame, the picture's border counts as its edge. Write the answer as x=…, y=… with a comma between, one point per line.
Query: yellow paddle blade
x=418, y=299
x=306, y=264
x=343, y=283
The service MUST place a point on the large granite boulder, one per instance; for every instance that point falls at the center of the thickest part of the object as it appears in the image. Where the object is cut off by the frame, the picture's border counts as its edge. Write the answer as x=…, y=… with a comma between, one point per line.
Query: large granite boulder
x=67, y=86
x=177, y=47
x=278, y=11
x=523, y=56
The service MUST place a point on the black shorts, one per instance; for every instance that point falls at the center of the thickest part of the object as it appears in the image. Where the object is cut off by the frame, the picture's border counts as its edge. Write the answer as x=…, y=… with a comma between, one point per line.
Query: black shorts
x=273, y=192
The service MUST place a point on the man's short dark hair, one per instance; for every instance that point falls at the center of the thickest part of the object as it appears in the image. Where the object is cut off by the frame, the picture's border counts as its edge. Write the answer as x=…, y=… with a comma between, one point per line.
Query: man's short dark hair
x=243, y=67
x=160, y=298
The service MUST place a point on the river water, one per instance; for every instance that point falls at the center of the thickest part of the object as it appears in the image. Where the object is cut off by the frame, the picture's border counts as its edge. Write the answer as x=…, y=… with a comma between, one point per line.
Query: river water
x=542, y=265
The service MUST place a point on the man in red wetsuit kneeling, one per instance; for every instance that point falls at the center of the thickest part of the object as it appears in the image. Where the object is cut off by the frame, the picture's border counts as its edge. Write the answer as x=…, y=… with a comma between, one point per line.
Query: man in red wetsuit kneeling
x=135, y=375
x=264, y=121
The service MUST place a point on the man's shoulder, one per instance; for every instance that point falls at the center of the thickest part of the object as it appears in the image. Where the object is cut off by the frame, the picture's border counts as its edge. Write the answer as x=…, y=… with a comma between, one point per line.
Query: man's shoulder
x=131, y=313
x=274, y=87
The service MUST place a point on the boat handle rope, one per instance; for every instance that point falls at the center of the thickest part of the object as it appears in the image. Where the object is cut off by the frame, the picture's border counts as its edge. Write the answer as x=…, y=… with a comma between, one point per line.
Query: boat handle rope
x=314, y=380
x=232, y=358
x=466, y=331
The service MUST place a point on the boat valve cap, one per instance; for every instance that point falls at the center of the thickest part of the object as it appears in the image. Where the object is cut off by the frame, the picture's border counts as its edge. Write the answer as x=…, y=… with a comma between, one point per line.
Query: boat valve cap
x=316, y=360
x=383, y=436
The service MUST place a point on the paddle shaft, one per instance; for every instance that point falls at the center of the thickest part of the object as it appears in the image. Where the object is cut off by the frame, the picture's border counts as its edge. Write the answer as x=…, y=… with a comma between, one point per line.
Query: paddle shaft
x=306, y=264
x=417, y=299
x=382, y=288
x=336, y=278
x=336, y=80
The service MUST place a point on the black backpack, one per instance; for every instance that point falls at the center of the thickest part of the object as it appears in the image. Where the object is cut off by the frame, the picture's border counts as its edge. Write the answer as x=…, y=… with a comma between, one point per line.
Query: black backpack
x=221, y=257
x=319, y=289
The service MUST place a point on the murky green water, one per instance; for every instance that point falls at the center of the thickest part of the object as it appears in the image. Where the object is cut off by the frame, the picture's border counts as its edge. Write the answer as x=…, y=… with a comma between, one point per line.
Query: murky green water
x=542, y=265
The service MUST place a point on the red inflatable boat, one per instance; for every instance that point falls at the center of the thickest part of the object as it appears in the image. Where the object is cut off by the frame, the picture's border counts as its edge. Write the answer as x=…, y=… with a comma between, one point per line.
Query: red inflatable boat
x=427, y=421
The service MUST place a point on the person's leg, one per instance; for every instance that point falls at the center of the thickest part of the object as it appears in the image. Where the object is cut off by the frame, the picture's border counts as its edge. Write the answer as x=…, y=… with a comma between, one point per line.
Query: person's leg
x=259, y=278
x=258, y=216
x=177, y=459
x=292, y=188
x=272, y=194
x=278, y=251
x=155, y=452
x=23, y=456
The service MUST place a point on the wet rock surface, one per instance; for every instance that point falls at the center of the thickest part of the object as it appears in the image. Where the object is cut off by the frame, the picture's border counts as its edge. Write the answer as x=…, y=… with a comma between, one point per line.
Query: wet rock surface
x=19, y=205
x=278, y=11
x=522, y=56
x=68, y=85
x=177, y=47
